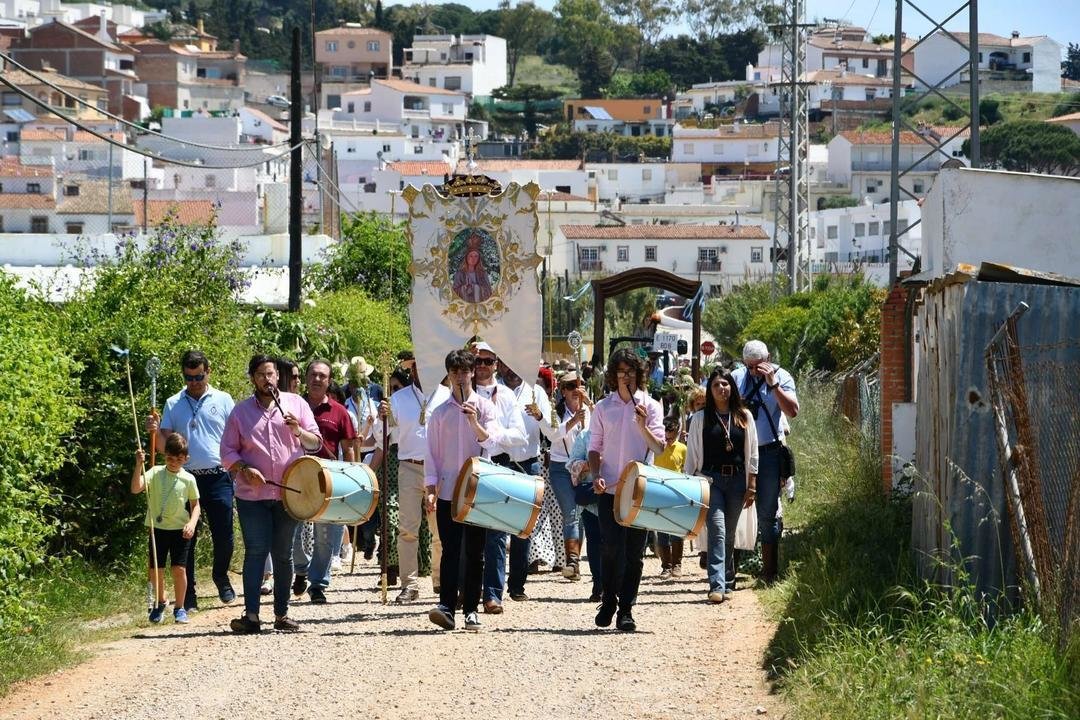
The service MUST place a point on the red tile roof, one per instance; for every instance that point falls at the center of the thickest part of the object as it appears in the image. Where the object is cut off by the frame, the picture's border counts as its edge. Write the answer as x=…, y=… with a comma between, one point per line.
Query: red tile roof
x=907, y=137
x=13, y=167
x=420, y=167
x=500, y=165
x=407, y=86
x=188, y=212
x=26, y=201
x=35, y=135
x=664, y=232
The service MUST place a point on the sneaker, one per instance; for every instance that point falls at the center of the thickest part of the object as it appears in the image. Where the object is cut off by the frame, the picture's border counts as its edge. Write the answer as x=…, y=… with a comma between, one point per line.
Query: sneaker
x=226, y=594
x=519, y=597
x=335, y=563
x=180, y=616
x=245, y=626
x=676, y=571
x=346, y=553
x=716, y=596
x=157, y=613
x=441, y=617
x=472, y=622
x=407, y=595
x=191, y=609
x=626, y=623
x=604, y=615
x=665, y=574
x=572, y=570
x=493, y=607
x=318, y=597
x=286, y=624
x=267, y=588
x=299, y=585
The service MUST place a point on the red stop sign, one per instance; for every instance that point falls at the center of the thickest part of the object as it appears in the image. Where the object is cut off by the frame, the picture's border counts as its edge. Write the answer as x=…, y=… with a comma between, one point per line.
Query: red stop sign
x=708, y=347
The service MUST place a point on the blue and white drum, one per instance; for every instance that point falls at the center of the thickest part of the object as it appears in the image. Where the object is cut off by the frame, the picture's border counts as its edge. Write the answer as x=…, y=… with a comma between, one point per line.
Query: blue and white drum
x=652, y=498
x=330, y=491
x=497, y=498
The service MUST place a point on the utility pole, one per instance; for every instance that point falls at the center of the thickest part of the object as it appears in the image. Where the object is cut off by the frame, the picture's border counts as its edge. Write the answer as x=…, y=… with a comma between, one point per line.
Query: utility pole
x=296, y=188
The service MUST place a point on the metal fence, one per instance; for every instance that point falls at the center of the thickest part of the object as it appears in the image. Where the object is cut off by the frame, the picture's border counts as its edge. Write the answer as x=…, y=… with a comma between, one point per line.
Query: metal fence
x=1038, y=438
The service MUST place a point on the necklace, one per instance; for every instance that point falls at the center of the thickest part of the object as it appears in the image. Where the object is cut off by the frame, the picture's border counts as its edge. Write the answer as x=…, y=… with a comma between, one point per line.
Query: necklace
x=422, y=402
x=725, y=422
x=166, y=495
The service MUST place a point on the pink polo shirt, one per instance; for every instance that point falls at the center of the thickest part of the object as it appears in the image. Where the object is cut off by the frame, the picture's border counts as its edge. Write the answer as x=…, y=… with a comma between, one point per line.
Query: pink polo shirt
x=260, y=437
x=615, y=435
x=451, y=441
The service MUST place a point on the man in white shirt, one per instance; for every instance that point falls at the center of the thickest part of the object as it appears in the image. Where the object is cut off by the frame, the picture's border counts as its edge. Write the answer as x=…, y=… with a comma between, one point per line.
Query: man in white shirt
x=513, y=439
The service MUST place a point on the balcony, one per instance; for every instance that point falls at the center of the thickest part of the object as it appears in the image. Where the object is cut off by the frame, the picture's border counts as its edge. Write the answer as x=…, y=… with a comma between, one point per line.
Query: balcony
x=932, y=165
x=590, y=265
x=708, y=266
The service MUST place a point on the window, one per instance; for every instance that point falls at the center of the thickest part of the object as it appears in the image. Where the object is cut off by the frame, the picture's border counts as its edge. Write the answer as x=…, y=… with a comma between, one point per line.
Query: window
x=431, y=82
x=886, y=228
x=351, y=44
x=373, y=45
x=980, y=57
x=418, y=149
x=870, y=94
x=367, y=109
x=85, y=154
x=589, y=259
x=1, y=223
x=333, y=101
x=648, y=108
x=613, y=174
x=756, y=254
x=386, y=147
x=39, y=224
x=448, y=108
x=1, y=187
x=210, y=181
x=71, y=190
x=73, y=228
x=650, y=253
x=33, y=188
x=901, y=225
x=688, y=148
x=12, y=99
x=452, y=82
x=350, y=108
x=866, y=62
x=860, y=229
x=830, y=232
x=874, y=229
x=646, y=174
x=338, y=71
x=708, y=259
x=623, y=253
x=918, y=187
x=13, y=136
x=813, y=232
x=718, y=148
x=1027, y=58
x=331, y=46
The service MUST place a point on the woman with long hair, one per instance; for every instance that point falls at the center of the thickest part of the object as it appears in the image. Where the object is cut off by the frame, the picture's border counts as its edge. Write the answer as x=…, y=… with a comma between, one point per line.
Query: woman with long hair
x=722, y=445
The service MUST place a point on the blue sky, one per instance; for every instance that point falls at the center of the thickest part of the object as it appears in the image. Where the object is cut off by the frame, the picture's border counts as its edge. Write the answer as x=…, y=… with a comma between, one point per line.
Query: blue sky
x=1060, y=19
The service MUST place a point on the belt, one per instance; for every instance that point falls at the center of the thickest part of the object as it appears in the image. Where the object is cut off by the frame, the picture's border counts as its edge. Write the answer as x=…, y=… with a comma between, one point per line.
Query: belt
x=411, y=461
x=208, y=471
x=770, y=446
x=504, y=460
x=725, y=470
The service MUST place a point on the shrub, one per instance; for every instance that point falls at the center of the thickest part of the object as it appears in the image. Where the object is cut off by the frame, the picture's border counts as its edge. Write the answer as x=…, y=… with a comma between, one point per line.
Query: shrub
x=366, y=327
x=36, y=416
x=372, y=254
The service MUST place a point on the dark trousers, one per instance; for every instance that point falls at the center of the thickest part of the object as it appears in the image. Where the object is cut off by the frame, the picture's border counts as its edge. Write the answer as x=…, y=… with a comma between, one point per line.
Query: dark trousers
x=594, y=538
x=623, y=557
x=458, y=539
x=216, y=511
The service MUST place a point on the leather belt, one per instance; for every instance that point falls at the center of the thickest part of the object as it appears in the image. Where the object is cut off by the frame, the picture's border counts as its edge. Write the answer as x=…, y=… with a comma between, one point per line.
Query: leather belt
x=208, y=471
x=504, y=460
x=411, y=461
x=725, y=470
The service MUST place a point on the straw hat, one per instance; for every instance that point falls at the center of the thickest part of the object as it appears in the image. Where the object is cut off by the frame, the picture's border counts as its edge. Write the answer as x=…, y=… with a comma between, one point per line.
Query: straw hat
x=360, y=365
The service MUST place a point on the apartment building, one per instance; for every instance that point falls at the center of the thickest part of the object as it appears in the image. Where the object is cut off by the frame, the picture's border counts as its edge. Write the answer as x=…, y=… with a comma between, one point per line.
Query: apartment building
x=471, y=64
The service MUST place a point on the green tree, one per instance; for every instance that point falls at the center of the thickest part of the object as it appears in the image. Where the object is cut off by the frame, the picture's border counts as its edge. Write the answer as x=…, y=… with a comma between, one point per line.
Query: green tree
x=525, y=28
x=653, y=83
x=839, y=201
x=726, y=317
x=648, y=17
x=989, y=111
x=707, y=18
x=561, y=143
x=523, y=107
x=690, y=60
x=1030, y=146
x=587, y=40
x=1067, y=106
x=379, y=20
x=373, y=254
x=1070, y=67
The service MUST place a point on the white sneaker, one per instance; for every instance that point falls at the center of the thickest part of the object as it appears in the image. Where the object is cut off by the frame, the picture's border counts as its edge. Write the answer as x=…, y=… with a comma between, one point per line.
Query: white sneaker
x=716, y=596
x=335, y=563
x=472, y=622
x=346, y=553
x=676, y=571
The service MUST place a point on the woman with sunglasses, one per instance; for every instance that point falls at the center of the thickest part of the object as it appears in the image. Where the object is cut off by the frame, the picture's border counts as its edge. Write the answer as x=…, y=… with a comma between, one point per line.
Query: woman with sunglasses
x=573, y=414
x=722, y=445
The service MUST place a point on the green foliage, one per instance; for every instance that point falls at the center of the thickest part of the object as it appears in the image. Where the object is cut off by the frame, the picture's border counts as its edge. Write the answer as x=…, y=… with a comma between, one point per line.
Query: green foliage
x=989, y=111
x=525, y=28
x=860, y=636
x=36, y=413
x=726, y=317
x=520, y=108
x=1070, y=66
x=653, y=83
x=588, y=39
x=563, y=144
x=1068, y=106
x=689, y=60
x=783, y=328
x=534, y=70
x=839, y=201
x=365, y=326
x=178, y=291
x=373, y=254
x=1031, y=146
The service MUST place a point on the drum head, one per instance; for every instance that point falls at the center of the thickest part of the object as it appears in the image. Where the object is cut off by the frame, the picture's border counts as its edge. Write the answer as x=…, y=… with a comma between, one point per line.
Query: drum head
x=307, y=475
x=629, y=493
x=464, y=490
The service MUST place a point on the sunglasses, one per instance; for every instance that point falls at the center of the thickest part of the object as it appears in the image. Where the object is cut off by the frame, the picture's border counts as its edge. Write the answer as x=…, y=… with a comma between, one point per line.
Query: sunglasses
x=569, y=386
x=194, y=378
x=484, y=361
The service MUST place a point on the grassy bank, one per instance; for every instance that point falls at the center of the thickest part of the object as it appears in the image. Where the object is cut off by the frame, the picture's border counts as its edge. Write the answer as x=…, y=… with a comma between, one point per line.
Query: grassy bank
x=860, y=636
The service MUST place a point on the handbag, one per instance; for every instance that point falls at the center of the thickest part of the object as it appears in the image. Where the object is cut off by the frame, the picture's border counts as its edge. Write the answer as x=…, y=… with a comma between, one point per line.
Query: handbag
x=787, y=458
x=746, y=530
x=583, y=492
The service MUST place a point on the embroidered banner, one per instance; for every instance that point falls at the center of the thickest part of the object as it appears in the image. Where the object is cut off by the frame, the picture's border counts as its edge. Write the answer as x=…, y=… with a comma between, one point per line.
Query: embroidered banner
x=474, y=268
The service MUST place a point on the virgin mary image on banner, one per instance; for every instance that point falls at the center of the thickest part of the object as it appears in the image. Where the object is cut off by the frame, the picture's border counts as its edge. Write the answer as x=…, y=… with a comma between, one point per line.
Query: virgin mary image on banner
x=474, y=253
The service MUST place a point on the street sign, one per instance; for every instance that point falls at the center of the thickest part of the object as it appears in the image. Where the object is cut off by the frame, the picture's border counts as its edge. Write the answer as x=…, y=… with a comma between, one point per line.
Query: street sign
x=665, y=341
x=708, y=347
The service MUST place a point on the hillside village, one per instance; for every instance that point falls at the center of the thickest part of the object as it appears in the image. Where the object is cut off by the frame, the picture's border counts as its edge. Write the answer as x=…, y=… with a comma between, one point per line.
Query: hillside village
x=92, y=85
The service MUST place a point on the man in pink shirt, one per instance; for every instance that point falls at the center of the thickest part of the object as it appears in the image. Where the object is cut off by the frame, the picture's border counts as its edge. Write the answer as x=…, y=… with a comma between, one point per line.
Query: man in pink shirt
x=624, y=426
x=263, y=434
x=461, y=428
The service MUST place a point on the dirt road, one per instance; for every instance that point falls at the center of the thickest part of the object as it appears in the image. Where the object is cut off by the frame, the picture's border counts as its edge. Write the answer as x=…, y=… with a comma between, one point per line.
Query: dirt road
x=356, y=658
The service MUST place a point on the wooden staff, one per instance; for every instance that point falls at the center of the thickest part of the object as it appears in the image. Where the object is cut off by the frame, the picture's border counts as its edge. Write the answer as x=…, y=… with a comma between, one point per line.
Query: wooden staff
x=384, y=496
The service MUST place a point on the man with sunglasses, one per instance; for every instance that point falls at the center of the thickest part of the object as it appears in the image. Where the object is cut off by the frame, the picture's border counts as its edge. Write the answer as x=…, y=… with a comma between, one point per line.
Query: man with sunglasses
x=198, y=412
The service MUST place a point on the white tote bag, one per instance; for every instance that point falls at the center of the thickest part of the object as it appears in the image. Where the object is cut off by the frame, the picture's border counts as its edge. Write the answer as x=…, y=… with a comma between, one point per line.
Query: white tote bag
x=746, y=531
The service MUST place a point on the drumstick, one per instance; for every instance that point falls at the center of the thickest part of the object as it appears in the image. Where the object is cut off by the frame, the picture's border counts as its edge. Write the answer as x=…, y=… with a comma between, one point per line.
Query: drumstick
x=272, y=389
x=280, y=485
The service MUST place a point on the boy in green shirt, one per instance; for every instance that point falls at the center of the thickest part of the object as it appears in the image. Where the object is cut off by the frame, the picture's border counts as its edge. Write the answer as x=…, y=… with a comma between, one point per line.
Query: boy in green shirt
x=669, y=547
x=169, y=489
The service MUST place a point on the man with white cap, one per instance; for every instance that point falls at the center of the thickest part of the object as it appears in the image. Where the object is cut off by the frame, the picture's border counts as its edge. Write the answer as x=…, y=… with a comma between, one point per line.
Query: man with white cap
x=768, y=390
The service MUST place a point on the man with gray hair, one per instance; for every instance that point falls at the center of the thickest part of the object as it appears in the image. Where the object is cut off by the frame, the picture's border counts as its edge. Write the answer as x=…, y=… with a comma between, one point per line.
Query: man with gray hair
x=768, y=390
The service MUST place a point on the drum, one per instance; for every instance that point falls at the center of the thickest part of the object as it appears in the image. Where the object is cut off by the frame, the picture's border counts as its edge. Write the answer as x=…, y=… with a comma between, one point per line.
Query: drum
x=652, y=498
x=497, y=498
x=331, y=491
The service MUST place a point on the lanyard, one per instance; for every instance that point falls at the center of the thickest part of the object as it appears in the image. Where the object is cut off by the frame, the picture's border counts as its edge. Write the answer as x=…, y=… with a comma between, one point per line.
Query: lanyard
x=195, y=407
x=166, y=495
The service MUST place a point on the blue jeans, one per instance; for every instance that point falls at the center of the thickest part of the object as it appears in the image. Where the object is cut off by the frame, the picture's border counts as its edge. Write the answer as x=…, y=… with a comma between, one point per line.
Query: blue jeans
x=216, y=511
x=267, y=530
x=595, y=545
x=564, y=493
x=495, y=556
x=768, y=493
x=327, y=545
x=726, y=495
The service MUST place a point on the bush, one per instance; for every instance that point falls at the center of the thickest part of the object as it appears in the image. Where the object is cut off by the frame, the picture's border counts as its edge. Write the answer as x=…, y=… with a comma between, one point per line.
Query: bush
x=37, y=413
x=373, y=254
x=178, y=291
x=367, y=327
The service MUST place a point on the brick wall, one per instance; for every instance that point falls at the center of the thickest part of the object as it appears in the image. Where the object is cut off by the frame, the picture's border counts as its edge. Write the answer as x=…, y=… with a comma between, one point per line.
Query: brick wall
x=894, y=370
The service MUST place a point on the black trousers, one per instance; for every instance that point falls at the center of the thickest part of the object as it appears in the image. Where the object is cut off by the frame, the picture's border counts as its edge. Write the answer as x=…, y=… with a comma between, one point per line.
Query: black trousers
x=458, y=538
x=623, y=557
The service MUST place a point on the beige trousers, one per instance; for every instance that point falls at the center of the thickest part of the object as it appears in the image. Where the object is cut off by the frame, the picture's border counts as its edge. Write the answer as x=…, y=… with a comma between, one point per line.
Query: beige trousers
x=410, y=509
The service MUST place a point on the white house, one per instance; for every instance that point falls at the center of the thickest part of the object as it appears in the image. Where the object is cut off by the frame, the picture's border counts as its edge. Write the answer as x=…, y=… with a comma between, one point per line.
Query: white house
x=860, y=234
x=1032, y=59
x=718, y=255
x=862, y=160
x=565, y=176
x=628, y=182
x=471, y=64
x=738, y=148
x=261, y=128
x=418, y=111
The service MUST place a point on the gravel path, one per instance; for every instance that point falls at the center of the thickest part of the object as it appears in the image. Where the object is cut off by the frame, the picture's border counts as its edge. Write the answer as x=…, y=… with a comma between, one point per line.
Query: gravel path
x=358, y=658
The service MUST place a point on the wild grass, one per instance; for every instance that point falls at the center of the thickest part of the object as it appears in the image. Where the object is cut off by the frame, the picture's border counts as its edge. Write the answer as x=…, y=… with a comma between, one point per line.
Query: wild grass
x=860, y=636
x=532, y=70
